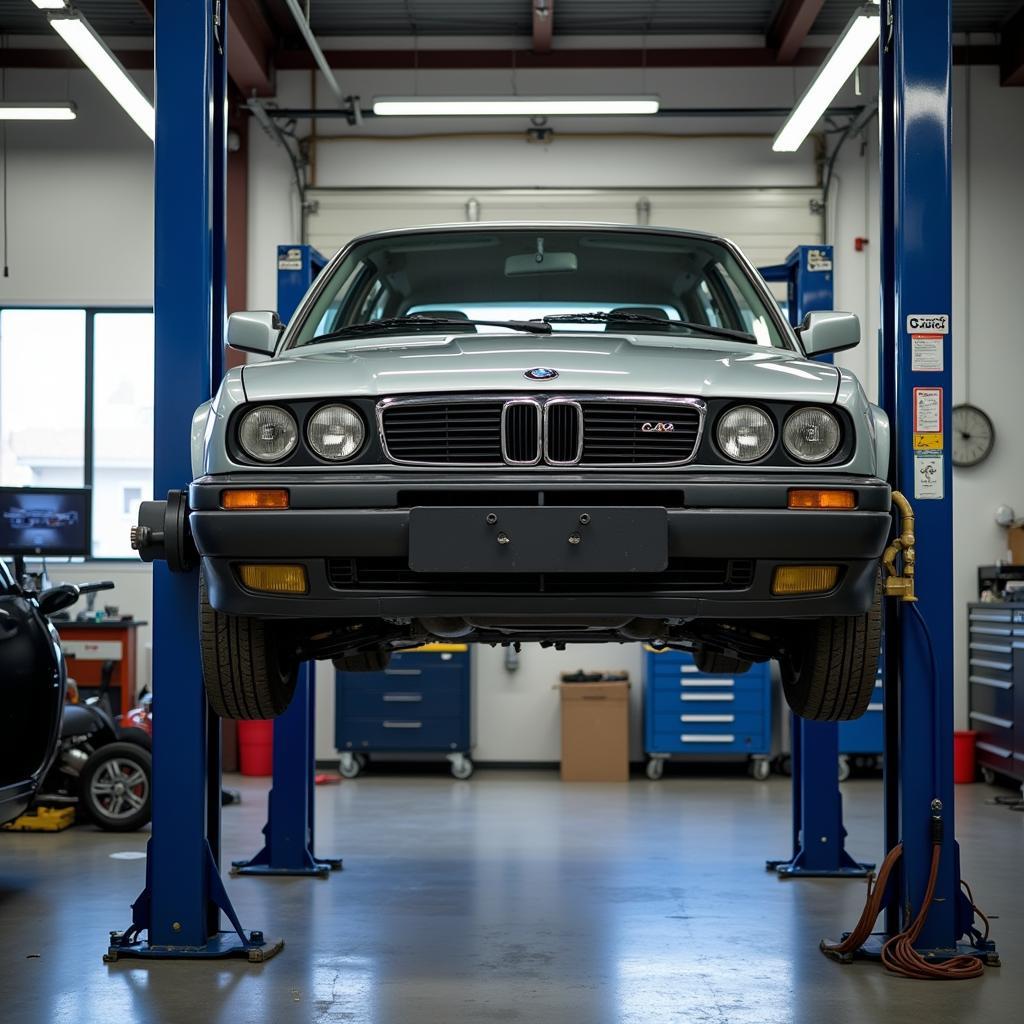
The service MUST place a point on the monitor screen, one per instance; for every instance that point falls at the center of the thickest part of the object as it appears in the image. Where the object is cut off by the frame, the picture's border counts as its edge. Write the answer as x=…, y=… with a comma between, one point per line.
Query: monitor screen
x=53, y=522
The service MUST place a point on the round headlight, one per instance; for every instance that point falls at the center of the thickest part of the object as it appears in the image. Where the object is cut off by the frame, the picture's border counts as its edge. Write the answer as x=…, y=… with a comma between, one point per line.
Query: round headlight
x=335, y=432
x=745, y=433
x=268, y=433
x=811, y=435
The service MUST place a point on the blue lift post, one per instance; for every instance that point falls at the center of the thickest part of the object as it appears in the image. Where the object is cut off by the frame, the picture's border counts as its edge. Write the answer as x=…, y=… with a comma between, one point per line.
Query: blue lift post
x=289, y=831
x=179, y=908
x=819, y=836
x=916, y=157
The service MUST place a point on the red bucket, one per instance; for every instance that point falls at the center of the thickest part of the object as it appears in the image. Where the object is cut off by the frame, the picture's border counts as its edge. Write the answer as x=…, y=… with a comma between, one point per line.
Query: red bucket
x=964, y=762
x=256, y=747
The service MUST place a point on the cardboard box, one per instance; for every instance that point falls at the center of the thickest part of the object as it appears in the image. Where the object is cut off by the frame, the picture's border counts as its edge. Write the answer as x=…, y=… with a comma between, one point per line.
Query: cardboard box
x=595, y=732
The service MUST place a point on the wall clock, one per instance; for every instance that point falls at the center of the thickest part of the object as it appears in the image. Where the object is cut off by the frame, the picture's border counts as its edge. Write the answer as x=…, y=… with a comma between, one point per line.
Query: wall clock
x=973, y=435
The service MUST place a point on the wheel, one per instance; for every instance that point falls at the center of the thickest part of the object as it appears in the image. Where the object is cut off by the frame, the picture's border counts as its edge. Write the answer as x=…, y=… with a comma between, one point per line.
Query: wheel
x=988, y=775
x=829, y=666
x=360, y=760
x=350, y=766
x=844, y=769
x=363, y=661
x=759, y=769
x=784, y=764
x=114, y=788
x=462, y=767
x=713, y=662
x=247, y=669
x=655, y=768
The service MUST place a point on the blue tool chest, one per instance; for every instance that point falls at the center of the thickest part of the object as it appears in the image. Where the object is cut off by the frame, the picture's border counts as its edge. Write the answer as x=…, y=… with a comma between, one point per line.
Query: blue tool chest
x=865, y=735
x=687, y=711
x=419, y=703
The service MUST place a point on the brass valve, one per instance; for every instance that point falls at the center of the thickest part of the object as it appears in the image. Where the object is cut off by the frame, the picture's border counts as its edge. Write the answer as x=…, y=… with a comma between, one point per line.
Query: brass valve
x=901, y=584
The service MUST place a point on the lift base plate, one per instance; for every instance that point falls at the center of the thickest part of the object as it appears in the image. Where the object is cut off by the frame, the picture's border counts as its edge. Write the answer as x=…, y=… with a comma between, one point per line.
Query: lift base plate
x=792, y=869
x=319, y=868
x=872, y=950
x=221, y=946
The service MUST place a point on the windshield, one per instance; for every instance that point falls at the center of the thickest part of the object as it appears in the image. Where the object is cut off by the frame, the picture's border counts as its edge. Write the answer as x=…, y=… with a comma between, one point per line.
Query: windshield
x=520, y=274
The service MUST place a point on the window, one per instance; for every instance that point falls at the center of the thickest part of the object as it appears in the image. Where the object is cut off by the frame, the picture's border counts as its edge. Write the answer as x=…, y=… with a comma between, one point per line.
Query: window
x=91, y=424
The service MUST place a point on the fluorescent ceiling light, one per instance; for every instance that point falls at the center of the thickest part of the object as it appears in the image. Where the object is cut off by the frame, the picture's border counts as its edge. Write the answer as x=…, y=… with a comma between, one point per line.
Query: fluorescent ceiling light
x=94, y=54
x=37, y=112
x=50, y=5
x=501, y=106
x=850, y=49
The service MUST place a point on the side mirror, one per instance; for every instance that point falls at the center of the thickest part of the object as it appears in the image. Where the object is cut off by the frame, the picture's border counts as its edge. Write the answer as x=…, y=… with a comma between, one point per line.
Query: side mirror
x=829, y=332
x=257, y=331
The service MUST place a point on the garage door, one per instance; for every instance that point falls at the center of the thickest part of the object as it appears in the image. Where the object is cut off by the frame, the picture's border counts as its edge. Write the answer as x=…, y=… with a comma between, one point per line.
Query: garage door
x=766, y=223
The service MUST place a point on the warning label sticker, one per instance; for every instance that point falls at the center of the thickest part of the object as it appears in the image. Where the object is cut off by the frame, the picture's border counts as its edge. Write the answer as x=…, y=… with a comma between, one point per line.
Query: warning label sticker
x=928, y=442
x=928, y=323
x=928, y=467
x=926, y=352
x=819, y=260
x=289, y=259
x=927, y=410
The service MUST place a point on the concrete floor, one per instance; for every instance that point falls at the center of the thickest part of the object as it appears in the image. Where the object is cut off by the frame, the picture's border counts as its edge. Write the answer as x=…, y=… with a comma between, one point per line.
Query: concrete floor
x=508, y=898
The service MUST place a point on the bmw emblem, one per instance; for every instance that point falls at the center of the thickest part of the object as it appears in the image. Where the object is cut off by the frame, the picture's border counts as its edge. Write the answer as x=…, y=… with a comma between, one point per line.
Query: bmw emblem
x=541, y=373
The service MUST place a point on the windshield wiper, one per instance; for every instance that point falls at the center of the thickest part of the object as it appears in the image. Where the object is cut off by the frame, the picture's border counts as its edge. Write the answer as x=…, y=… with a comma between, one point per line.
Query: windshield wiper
x=416, y=320
x=643, y=318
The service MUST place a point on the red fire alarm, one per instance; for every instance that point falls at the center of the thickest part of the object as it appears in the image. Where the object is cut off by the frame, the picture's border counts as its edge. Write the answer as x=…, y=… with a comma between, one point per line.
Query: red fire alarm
x=859, y=244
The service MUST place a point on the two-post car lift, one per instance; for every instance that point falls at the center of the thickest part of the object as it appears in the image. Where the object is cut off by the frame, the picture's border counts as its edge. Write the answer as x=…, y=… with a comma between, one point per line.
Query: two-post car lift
x=179, y=911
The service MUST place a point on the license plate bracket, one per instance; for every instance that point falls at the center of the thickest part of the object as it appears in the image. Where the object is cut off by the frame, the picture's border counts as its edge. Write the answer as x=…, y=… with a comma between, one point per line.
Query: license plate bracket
x=538, y=539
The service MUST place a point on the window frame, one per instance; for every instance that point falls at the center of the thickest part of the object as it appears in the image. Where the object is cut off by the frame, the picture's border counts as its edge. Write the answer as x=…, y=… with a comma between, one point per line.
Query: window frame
x=89, y=453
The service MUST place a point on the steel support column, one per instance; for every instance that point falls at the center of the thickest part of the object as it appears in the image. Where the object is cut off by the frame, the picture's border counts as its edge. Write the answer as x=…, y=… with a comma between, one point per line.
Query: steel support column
x=179, y=909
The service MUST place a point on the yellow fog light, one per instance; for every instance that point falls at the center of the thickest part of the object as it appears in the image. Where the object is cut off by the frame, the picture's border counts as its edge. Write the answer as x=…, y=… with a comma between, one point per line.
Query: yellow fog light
x=804, y=579
x=274, y=579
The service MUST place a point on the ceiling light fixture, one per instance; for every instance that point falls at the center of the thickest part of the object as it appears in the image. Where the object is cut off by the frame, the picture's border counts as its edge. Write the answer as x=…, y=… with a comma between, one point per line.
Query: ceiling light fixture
x=37, y=112
x=503, y=106
x=50, y=5
x=860, y=34
x=95, y=55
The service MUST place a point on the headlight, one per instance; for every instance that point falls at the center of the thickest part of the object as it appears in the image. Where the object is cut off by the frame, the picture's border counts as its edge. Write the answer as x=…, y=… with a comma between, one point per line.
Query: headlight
x=268, y=433
x=745, y=433
x=811, y=435
x=335, y=432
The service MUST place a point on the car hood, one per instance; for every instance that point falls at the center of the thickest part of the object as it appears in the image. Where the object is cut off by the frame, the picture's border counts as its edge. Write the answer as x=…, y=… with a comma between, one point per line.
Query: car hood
x=584, y=362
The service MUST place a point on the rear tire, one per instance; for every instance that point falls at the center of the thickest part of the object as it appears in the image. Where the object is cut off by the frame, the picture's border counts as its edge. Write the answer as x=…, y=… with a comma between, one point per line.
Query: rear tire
x=830, y=665
x=363, y=661
x=115, y=786
x=716, y=663
x=247, y=669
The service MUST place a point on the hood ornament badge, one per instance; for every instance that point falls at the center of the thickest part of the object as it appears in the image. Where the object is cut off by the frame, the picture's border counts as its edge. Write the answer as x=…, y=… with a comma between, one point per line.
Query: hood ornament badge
x=541, y=373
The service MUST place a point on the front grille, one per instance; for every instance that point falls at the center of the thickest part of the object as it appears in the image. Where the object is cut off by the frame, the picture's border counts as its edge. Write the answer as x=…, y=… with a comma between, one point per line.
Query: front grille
x=683, y=575
x=639, y=433
x=444, y=433
x=524, y=430
x=520, y=433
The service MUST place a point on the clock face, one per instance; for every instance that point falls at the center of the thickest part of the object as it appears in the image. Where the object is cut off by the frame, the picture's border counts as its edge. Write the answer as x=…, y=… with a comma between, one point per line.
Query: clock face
x=973, y=436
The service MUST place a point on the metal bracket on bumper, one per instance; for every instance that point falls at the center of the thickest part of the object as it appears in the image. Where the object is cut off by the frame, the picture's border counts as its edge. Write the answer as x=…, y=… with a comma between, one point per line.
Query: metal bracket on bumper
x=163, y=533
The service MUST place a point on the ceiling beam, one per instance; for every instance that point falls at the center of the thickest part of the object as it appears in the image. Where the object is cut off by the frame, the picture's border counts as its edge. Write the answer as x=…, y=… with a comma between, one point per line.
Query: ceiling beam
x=790, y=27
x=1011, y=51
x=543, y=24
x=250, y=44
x=149, y=5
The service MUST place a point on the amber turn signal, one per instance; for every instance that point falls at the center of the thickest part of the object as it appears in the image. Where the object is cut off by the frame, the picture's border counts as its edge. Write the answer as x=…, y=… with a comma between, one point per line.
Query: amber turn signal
x=256, y=498
x=822, y=499
x=274, y=579
x=804, y=579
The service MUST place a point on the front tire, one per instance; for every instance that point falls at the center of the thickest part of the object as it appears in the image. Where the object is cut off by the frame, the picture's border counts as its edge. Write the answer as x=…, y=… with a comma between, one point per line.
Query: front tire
x=247, y=669
x=829, y=667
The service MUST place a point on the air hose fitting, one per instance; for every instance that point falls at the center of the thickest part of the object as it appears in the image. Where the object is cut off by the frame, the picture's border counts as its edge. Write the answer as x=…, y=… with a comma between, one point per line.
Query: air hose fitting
x=900, y=584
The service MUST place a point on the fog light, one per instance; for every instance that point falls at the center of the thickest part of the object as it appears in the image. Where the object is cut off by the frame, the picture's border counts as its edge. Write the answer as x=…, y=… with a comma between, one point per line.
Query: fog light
x=804, y=579
x=822, y=499
x=262, y=498
x=274, y=579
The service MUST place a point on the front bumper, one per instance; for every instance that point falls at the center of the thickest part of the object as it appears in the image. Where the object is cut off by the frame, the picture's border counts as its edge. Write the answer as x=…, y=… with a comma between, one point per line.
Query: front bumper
x=711, y=518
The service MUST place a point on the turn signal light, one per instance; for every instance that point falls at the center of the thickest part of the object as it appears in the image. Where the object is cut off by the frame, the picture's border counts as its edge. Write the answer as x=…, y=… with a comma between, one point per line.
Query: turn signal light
x=822, y=499
x=804, y=579
x=259, y=498
x=274, y=579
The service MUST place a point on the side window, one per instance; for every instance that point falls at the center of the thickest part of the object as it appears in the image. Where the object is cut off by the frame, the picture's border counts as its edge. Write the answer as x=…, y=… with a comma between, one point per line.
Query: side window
x=737, y=300
x=711, y=314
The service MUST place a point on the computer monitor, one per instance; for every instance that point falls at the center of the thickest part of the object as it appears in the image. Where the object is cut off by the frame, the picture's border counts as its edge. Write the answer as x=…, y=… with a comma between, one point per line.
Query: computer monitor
x=45, y=522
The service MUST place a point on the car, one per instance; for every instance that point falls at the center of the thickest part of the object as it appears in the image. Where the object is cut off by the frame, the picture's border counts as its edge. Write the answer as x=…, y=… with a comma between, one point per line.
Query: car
x=33, y=679
x=535, y=432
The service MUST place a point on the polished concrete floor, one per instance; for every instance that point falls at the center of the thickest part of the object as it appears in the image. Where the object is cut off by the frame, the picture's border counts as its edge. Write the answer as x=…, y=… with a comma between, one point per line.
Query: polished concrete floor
x=509, y=898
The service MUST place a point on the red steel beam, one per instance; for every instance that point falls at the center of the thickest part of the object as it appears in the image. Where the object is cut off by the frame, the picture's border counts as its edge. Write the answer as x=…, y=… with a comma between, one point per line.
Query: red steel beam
x=1011, y=51
x=543, y=25
x=790, y=26
x=250, y=44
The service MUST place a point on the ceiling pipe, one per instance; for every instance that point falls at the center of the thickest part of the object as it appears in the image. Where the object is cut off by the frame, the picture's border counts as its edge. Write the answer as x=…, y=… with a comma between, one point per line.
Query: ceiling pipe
x=314, y=46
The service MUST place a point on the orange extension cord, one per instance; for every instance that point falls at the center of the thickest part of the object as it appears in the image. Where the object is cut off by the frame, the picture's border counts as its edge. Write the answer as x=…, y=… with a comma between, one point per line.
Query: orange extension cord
x=898, y=953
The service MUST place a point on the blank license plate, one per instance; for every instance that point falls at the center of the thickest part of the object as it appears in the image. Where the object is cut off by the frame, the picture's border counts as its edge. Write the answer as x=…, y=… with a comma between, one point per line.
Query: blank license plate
x=538, y=539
